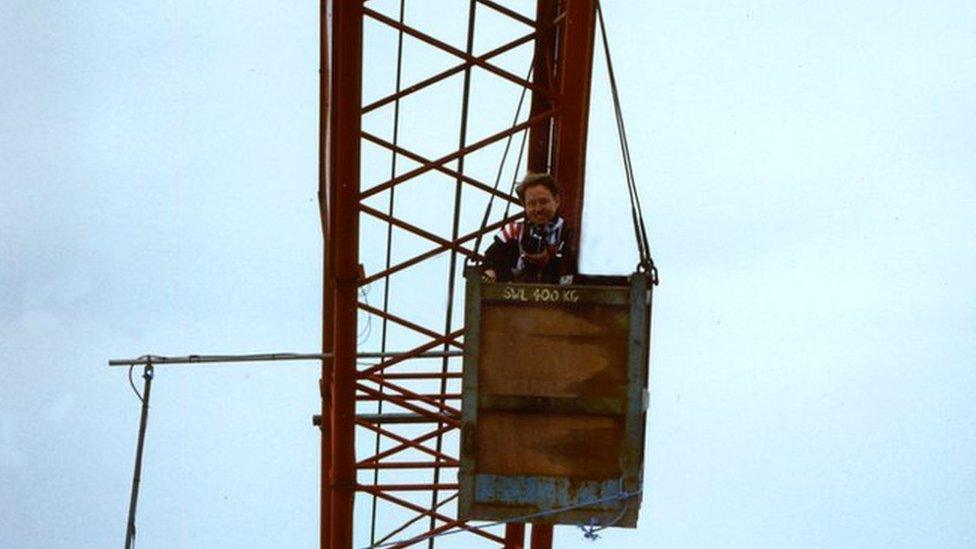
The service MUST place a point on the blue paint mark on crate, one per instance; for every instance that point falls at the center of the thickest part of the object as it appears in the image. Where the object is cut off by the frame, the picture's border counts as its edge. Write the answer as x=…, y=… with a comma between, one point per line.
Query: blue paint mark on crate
x=545, y=493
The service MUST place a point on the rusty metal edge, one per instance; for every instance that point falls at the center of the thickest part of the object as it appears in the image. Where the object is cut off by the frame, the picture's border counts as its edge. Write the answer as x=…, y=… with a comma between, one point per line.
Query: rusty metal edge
x=616, y=512
x=631, y=458
x=469, y=389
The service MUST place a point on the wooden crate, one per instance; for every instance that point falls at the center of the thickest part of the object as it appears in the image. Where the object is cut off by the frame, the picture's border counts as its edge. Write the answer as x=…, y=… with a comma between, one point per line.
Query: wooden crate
x=555, y=394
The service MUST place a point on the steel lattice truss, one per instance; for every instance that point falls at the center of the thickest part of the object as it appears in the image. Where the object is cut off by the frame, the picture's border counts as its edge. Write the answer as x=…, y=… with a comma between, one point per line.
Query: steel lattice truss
x=428, y=389
x=440, y=107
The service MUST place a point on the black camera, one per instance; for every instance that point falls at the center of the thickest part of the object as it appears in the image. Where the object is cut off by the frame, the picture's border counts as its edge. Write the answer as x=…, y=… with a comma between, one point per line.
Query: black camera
x=537, y=240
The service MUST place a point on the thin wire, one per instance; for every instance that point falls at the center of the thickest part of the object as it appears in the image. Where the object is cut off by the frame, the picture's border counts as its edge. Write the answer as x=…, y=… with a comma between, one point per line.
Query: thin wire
x=364, y=334
x=637, y=214
x=389, y=256
x=415, y=519
x=455, y=231
x=624, y=495
x=518, y=162
x=621, y=134
x=133, y=385
x=590, y=530
x=501, y=165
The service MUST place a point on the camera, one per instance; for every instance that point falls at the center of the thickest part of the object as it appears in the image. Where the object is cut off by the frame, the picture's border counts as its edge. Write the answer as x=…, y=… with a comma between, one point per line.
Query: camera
x=537, y=241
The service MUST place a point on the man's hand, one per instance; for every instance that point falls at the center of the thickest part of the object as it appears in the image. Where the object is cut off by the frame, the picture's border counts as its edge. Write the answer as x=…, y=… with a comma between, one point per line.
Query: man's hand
x=489, y=275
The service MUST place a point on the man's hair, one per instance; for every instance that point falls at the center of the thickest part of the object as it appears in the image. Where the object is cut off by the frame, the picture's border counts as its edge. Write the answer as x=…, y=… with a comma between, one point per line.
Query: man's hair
x=533, y=179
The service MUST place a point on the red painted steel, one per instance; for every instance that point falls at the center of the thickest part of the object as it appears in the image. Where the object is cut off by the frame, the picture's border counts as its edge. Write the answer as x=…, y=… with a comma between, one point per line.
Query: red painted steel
x=542, y=75
x=563, y=36
x=437, y=342
x=407, y=394
x=424, y=375
x=559, y=146
x=403, y=322
x=406, y=464
x=574, y=68
x=406, y=443
x=541, y=536
x=452, y=50
x=457, y=154
x=488, y=230
x=428, y=512
x=445, y=74
x=445, y=170
x=509, y=12
x=446, y=396
x=514, y=535
x=344, y=146
x=328, y=290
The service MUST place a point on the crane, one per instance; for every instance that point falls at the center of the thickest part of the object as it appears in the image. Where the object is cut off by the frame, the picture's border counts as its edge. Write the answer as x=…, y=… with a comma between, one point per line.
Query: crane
x=431, y=201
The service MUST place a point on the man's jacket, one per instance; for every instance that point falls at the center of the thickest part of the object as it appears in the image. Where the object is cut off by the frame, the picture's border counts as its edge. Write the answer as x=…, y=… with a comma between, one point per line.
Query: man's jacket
x=506, y=255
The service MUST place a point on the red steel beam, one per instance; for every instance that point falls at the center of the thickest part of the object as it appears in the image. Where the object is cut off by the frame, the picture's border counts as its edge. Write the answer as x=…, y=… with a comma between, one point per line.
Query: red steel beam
x=410, y=522
x=564, y=32
x=405, y=323
x=405, y=443
x=418, y=509
x=416, y=230
x=444, y=46
x=574, y=67
x=406, y=394
x=456, y=154
x=509, y=12
x=514, y=535
x=344, y=164
x=405, y=487
x=325, y=382
x=443, y=169
x=565, y=155
x=423, y=375
x=542, y=75
x=541, y=536
x=537, y=159
x=381, y=366
x=441, y=249
x=403, y=403
x=445, y=74
x=405, y=464
x=446, y=396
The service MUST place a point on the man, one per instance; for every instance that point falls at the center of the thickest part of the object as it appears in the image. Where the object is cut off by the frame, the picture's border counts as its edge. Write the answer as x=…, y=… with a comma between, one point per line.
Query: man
x=537, y=248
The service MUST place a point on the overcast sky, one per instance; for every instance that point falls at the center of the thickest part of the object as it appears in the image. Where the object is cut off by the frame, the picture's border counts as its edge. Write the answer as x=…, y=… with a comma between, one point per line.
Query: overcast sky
x=808, y=175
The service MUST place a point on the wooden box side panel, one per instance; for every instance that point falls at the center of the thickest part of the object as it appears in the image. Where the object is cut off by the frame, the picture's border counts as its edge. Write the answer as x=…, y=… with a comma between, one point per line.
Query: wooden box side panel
x=543, y=350
x=574, y=446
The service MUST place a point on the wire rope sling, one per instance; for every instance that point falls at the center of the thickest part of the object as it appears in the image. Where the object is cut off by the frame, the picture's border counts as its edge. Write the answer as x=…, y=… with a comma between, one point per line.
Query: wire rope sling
x=555, y=383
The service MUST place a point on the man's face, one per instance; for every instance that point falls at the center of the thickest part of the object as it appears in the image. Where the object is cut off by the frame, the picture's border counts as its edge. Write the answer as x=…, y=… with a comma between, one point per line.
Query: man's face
x=540, y=204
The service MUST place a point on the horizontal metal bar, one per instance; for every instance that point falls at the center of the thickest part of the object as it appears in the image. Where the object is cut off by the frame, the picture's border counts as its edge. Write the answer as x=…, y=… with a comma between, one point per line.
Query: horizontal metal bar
x=414, y=353
x=427, y=354
x=428, y=512
x=425, y=396
x=158, y=360
x=443, y=413
x=423, y=375
x=405, y=487
x=405, y=443
x=403, y=418
x=406, y=465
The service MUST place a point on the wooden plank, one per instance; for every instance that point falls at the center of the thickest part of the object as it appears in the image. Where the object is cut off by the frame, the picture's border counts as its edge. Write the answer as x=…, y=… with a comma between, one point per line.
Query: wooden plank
x=544, y=351
x=577, y=446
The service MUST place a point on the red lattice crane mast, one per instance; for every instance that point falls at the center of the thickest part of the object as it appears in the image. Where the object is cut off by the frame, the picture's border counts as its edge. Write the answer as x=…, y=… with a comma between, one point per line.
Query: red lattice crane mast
x=420, y=381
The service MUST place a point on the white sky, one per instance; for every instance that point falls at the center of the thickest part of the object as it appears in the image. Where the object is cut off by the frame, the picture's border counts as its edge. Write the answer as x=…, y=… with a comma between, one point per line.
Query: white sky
x=807, y=171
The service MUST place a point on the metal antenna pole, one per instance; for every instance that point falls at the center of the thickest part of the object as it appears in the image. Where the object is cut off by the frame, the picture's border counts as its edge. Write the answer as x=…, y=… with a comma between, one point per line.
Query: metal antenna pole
x=130, y=532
